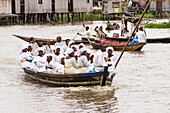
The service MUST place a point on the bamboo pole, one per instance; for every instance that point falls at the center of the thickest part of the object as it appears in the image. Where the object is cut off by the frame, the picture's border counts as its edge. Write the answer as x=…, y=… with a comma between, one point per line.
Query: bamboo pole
x=133, y=32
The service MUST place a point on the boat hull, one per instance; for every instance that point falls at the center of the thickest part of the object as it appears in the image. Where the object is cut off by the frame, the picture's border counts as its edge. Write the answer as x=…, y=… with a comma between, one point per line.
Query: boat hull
x=133, y=47
x=66, y=80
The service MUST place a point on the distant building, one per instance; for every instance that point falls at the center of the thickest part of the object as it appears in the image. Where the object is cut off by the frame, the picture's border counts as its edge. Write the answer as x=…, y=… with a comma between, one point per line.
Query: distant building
x=160, y=5
x=53, y=6
x=5, y=7
x=112, y=6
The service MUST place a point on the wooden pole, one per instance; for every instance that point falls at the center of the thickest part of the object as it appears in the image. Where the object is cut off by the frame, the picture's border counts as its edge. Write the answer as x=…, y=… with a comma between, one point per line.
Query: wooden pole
x=103, y=79
x=133, y=32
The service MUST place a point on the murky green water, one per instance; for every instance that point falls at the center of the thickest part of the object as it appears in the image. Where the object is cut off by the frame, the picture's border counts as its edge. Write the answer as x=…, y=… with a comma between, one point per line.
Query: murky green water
x=142, y=84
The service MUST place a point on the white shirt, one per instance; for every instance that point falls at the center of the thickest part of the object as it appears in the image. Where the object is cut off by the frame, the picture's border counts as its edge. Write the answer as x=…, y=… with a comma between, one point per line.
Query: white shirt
x=98, y=60
x=141, y=36
x=39, y=64
x=59, y=44
x=23, y=60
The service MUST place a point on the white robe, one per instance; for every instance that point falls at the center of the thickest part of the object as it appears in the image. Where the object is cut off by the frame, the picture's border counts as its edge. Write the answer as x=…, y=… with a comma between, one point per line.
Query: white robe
x=52, y=67
x=83, y=64
x=23, y=60
x=111, y=69
x=98, y=60
x=39, y=64
x=70, y=66
x=59, y=44
x=57, y=59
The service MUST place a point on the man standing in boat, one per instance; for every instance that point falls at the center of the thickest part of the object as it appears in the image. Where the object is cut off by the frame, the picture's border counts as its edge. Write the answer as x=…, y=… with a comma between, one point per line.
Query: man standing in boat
x=34, y=45
x=99, y=32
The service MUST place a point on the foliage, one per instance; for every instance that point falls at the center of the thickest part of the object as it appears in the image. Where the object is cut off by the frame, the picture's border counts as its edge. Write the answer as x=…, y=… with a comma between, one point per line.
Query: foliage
x=158, y=25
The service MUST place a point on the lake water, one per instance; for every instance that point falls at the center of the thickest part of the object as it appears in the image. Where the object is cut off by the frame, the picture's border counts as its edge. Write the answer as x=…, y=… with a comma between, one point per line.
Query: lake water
x=142, y=83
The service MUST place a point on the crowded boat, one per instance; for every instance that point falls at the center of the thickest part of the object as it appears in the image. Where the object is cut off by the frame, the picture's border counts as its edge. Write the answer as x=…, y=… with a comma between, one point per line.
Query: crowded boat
x=64, y=57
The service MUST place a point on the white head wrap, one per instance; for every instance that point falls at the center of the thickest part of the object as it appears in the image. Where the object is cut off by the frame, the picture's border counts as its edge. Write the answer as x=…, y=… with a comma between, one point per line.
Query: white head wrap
x=89, y=51
x=82, y=50
x=69, y=51
x=41, y=49
x=81, y=44
x=24, y=46
x=109, y=48
x=70, y=42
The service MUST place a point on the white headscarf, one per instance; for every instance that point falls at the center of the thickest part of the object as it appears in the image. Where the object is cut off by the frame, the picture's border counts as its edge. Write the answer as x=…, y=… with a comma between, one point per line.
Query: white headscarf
x=109, y=48
x=81, y=44
x=70, y=42
x=82, y=50
x=69, y=51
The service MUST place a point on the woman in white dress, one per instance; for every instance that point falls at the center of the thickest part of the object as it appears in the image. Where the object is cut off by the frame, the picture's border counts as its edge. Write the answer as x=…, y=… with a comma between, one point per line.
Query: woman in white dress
x=84, y=65
x=70, y=62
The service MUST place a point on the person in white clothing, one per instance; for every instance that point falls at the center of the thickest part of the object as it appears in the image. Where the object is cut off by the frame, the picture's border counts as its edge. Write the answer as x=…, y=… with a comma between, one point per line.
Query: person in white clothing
x=87, y=34
x=140, y=37
x=59, y=42
x=70, y=62
x=99, y=59
x=83, y=64
x=110, y=60
x=24, y=58
x=66, y=45
x=34, y=45
x=39, y=62
x=50, y=65
x=57, y=55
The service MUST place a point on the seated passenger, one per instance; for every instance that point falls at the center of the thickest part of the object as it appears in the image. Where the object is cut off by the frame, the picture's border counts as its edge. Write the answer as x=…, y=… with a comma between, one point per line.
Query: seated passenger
x=70, y=62
x=140, y=37
x=83, y=64
x=50, y=65
x=25, y=59
x=39, y=62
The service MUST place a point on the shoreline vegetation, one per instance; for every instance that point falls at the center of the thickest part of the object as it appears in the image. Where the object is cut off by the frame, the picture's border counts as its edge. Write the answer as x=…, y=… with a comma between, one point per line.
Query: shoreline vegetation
x=158, y=25
x=89, y=17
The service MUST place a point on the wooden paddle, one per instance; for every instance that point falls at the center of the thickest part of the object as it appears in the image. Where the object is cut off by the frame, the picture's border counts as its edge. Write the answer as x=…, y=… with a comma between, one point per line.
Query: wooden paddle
x=133, y=32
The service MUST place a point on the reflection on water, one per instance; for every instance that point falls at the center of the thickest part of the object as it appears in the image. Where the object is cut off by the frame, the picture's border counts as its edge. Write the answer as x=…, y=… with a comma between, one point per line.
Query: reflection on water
x=142, y=84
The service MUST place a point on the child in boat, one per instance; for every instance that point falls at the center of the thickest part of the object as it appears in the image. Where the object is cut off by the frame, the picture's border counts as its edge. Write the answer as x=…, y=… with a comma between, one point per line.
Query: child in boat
x=70, y=62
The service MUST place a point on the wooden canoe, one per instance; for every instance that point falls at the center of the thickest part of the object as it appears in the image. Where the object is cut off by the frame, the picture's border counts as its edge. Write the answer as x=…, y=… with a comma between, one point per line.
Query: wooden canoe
x=45, y=40
x=66, y=80
x=132, y=47
x=148, y=40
